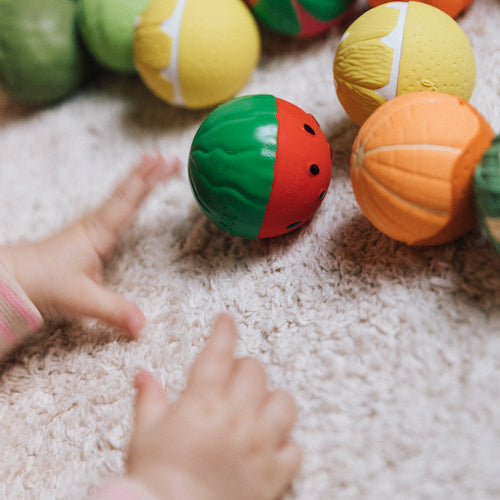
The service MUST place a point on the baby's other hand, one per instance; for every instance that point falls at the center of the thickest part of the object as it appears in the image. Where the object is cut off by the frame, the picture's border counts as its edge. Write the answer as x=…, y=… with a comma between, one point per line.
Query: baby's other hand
x=227, y=437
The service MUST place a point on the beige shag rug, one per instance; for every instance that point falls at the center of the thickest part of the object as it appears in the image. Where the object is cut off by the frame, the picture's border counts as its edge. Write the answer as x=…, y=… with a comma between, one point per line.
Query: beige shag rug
x=392, y=352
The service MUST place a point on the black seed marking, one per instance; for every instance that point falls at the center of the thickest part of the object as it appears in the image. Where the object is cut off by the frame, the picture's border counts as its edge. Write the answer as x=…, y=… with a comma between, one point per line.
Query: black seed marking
x=295, y=224
x=322, y=195
x=314, y=169
x=309, y=129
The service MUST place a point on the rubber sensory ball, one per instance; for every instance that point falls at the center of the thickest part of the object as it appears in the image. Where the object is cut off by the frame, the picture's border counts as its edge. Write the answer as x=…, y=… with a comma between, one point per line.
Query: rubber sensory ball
x=301, y=18
x=196, y=53
x=487, y=191
x=259, y=166
x=452, y=7
x=398, y=48
x=107, y=30
x=41, y=58
x=412, y=167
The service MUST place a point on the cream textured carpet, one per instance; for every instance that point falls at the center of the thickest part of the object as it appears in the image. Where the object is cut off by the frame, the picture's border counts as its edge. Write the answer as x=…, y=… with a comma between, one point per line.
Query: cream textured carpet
x=393, y=353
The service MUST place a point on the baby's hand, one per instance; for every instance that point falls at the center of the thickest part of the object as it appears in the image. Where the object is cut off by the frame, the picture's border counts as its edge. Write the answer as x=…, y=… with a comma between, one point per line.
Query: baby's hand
x=62, y=275
x=225, y=438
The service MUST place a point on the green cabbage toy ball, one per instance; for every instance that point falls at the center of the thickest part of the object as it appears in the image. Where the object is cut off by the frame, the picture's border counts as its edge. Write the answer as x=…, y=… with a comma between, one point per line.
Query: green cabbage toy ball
x=259, y=166
x=41, y=58
x=107, y=29
x=487, y=190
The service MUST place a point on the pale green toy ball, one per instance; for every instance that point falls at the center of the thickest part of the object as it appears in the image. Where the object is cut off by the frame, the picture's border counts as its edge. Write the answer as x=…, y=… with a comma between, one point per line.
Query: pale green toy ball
x=107, y=30
x=41, y=57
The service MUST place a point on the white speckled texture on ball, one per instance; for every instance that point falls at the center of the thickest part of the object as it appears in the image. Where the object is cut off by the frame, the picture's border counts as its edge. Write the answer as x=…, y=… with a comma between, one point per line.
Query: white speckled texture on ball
x=391, y=352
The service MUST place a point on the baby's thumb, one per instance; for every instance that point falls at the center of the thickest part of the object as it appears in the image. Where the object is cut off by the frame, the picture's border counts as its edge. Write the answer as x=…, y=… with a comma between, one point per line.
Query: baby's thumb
x=150, y=400
x=95, y=301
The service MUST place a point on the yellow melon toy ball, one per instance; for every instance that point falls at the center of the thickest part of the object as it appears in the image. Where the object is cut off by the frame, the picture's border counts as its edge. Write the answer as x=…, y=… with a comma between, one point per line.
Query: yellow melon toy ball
x=398, y=48
x=196, y=53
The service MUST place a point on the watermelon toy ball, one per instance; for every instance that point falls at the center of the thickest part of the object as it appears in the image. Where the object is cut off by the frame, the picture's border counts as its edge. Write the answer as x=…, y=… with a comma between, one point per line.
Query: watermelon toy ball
x=259, y=166
x=300, y=18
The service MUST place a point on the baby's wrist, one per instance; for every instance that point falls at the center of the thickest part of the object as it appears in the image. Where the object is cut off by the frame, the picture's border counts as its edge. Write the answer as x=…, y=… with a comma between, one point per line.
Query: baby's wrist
x=124, y=488
x=19, y=317
x=174, y=483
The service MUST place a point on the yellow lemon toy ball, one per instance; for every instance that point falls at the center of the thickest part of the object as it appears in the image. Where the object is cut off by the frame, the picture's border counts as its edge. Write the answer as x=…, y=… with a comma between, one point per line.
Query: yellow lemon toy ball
x=196, y=53
x=398, y=48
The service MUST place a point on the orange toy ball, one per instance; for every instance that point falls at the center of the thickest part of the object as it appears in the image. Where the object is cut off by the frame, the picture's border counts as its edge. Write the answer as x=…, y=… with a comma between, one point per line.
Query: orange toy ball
x=452, y=7
x=412, y=167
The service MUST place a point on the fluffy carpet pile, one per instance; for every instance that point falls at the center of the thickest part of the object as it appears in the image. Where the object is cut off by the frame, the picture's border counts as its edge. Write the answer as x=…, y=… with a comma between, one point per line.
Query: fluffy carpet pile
x=392, y=352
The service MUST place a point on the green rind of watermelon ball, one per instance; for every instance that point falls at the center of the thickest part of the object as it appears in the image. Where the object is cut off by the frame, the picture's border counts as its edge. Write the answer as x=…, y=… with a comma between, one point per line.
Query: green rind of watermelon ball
x=487, y=191
x=325, y=10
x=278, y=15
x=231, y=163
x=41, y=58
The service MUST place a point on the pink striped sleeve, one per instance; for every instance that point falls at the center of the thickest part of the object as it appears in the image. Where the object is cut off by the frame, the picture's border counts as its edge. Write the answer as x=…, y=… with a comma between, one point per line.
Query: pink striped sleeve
x=123, y=489
x=18, y=316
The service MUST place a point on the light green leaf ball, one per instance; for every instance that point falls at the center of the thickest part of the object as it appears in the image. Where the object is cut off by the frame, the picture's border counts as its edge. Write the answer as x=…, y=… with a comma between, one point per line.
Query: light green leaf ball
x=107, y=29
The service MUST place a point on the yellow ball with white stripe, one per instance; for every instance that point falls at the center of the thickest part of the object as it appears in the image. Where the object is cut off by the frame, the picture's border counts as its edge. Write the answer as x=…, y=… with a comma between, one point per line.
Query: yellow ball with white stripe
x=397, y=48
x=196, y=53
